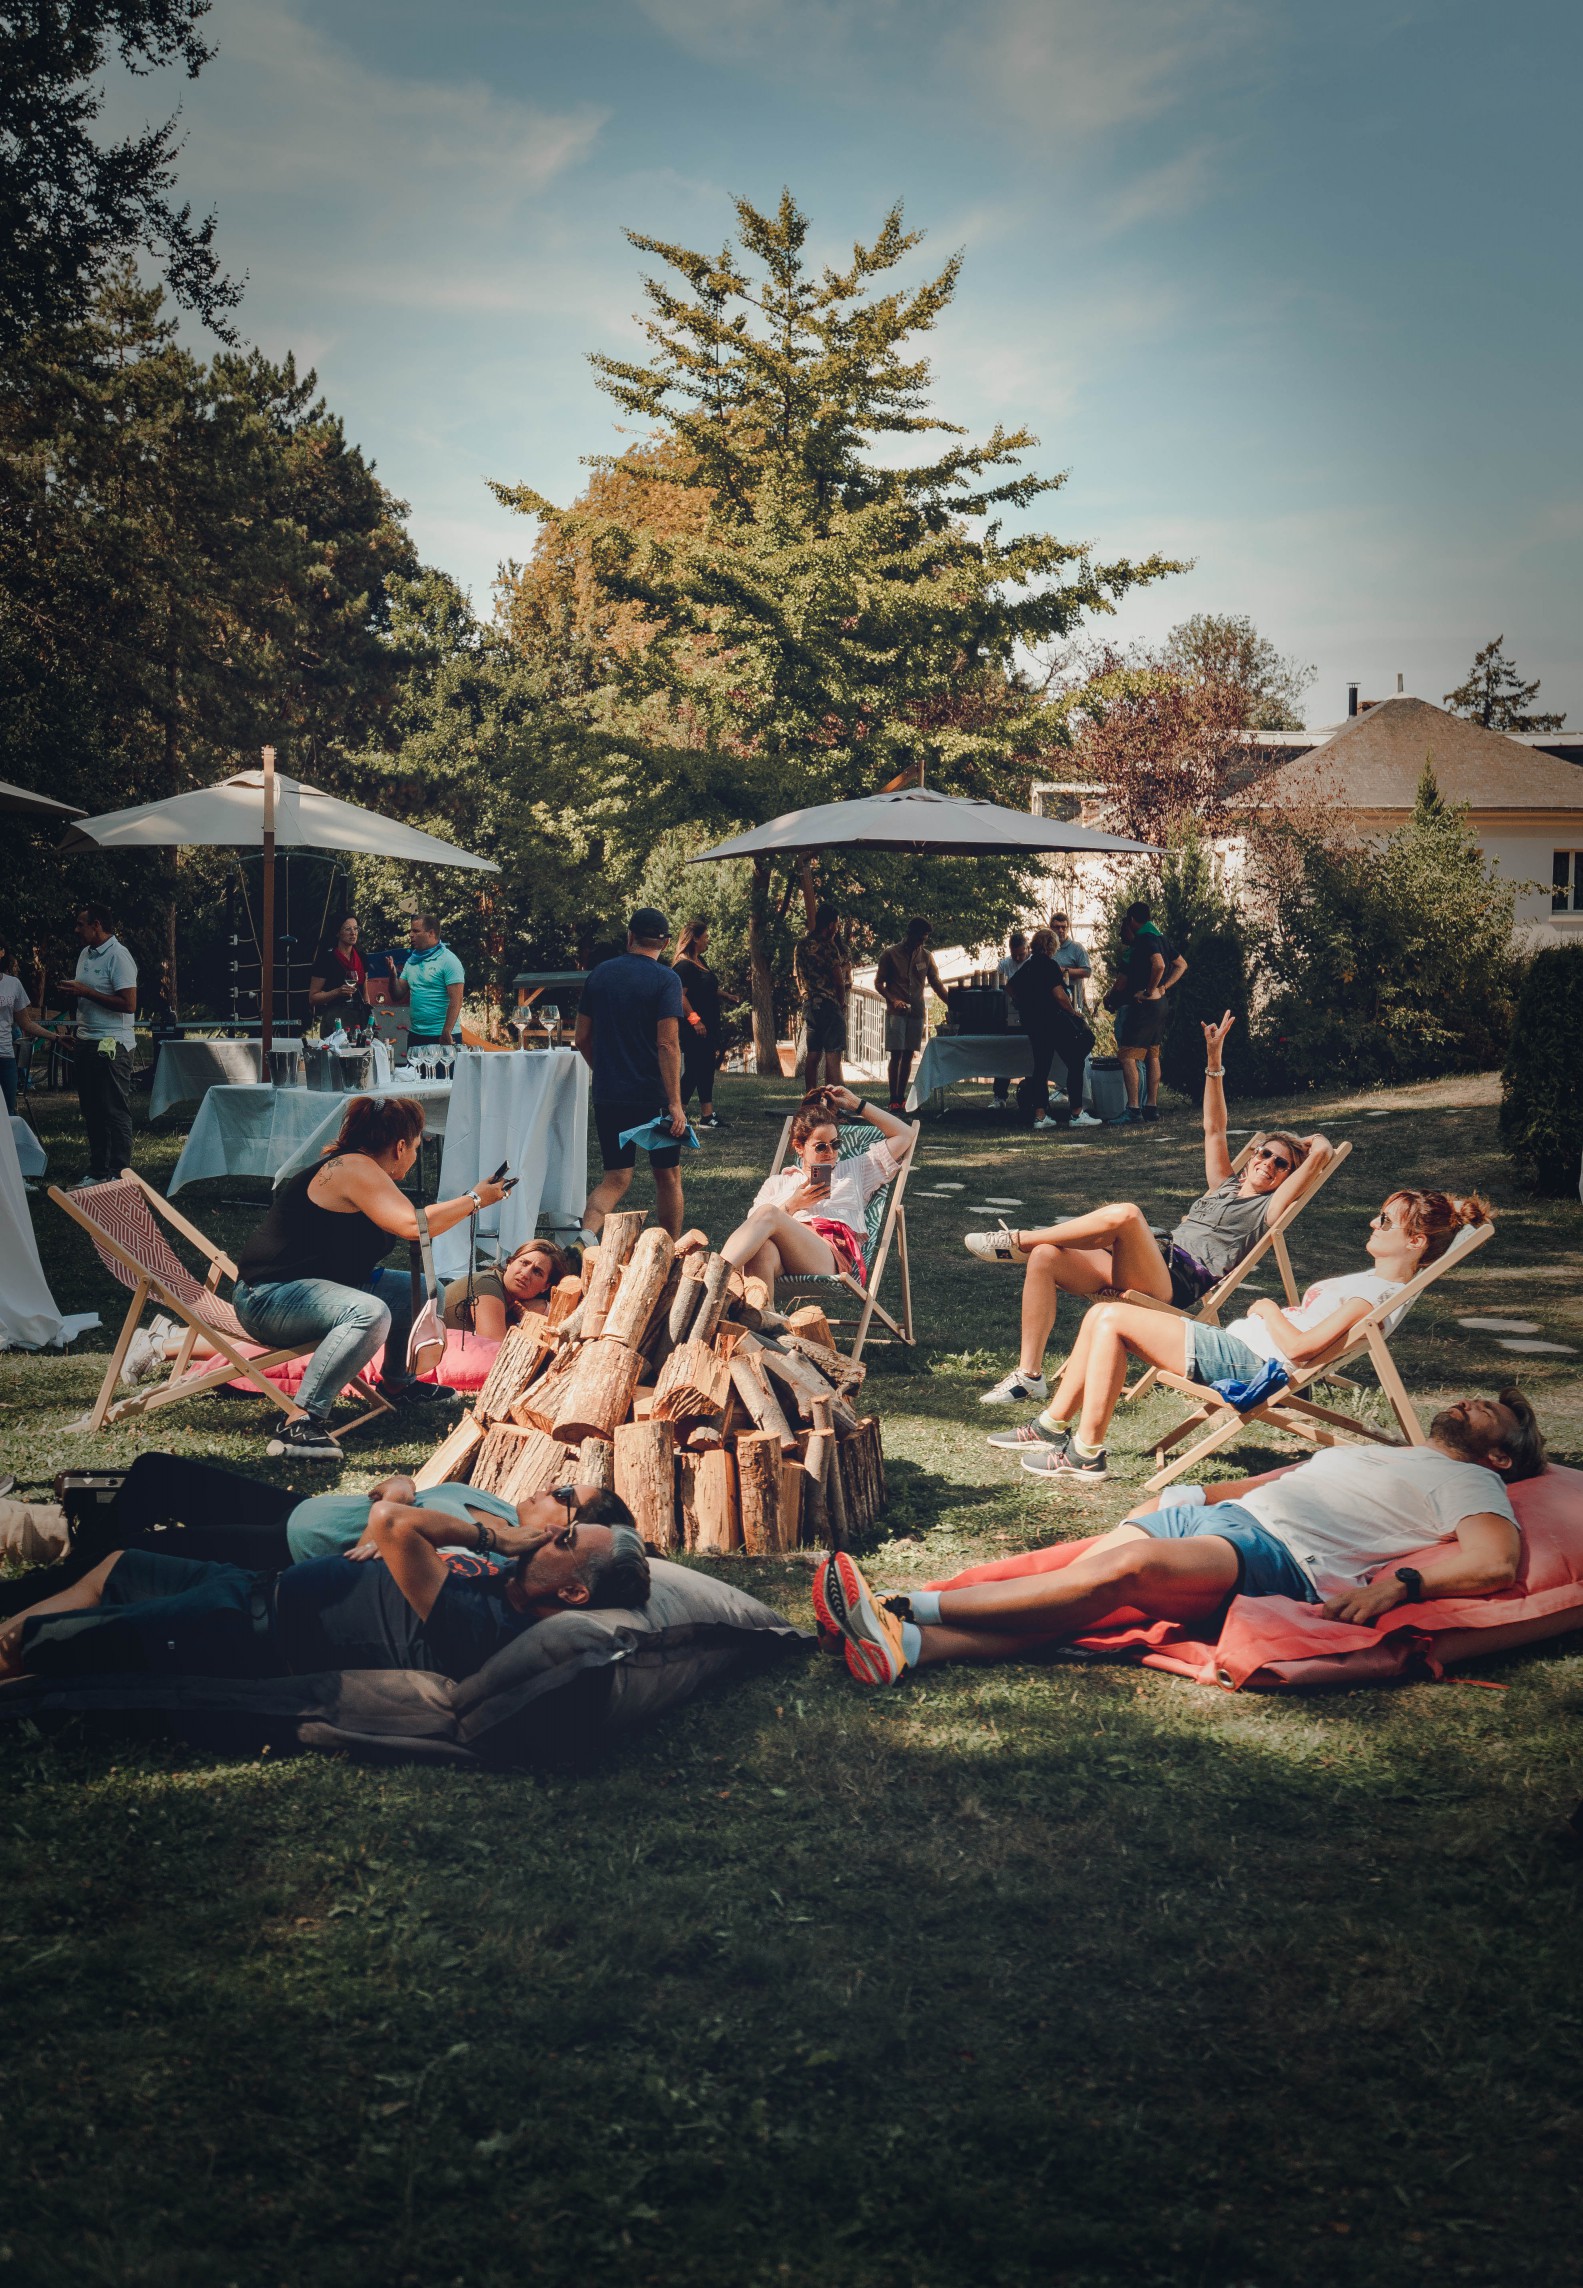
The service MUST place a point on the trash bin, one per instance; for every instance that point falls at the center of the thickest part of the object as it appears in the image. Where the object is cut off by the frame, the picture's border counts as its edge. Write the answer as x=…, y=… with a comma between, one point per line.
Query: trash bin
x=1107, y=1091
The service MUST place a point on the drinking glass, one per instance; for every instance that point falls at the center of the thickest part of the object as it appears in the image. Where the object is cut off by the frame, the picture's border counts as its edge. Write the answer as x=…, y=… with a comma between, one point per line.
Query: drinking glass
x=551, y=1014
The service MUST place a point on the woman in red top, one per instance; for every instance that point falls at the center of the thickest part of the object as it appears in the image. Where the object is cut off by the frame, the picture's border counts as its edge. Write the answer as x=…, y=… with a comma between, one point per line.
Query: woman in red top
x=339, y=984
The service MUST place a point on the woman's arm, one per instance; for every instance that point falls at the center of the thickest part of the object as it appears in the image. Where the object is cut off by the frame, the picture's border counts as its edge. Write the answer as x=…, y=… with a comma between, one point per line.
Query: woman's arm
x=895, y=1131
x=358, y=1182
x=491, y=1318
x=1217, y=1152
x=320, y=995
x=1315, y=1148
x=1301, y=1346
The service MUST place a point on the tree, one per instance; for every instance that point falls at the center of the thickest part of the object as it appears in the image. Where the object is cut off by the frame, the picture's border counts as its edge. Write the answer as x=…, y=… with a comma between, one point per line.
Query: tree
x=816, y=636
x=69, y=203
x=1496, y=695
x=1167, y=749
x=1228, y=650
x=1542, y=1085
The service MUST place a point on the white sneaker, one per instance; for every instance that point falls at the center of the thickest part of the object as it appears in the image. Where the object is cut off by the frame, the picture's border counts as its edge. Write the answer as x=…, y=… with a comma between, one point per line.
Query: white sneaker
x=1016, y=1389
x=1086, y=1120
x=144, y=1358
x=993, y=1246
x=1044, y=1121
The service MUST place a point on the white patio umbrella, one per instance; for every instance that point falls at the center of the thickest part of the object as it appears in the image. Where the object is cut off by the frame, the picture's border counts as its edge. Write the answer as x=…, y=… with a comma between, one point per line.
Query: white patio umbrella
x=917, y=818
x=27, y=804
x=259, y=809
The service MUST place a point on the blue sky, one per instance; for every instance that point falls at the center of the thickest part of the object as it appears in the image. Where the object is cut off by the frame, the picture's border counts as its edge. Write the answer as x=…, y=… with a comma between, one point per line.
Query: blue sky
x=1292, y=290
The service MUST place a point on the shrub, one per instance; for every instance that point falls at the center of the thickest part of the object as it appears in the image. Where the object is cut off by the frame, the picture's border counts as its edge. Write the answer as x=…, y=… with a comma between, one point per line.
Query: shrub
x=1542, y=1085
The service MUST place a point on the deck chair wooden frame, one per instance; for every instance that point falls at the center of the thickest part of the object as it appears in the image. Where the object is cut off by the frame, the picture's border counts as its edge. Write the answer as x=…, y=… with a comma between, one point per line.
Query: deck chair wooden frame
x=1271, y=1241
x=892, y=1226
x=150, y=1285
x=1291, y=1409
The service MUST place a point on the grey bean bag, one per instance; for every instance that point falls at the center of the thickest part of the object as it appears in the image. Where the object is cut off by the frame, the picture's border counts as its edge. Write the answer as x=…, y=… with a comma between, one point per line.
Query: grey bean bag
x=556, y=1697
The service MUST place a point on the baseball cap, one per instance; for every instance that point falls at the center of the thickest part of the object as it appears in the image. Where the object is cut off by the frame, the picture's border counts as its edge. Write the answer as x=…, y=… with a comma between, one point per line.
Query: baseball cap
x=648, y=923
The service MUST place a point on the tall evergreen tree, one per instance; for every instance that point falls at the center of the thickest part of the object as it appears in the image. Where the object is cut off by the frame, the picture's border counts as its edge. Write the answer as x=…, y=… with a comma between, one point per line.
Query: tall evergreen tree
x=1496, y=695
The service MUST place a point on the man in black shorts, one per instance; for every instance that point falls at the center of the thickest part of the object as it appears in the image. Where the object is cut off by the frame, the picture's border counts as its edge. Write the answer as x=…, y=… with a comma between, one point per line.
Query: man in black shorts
x=1152, y=970
x=629, y=1030
x=392, y=1602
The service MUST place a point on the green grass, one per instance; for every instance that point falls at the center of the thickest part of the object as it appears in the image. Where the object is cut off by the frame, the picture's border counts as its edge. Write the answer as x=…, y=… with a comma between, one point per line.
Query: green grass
x=1046, y=1973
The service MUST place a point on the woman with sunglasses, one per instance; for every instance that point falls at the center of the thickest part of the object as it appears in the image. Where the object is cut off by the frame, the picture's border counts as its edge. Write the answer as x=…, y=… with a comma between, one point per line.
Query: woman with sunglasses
x=1411, y=1230
x=1114, y=1246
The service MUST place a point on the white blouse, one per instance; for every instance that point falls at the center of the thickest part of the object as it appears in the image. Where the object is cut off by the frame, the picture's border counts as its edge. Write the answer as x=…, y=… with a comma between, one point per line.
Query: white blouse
x=853, y=1184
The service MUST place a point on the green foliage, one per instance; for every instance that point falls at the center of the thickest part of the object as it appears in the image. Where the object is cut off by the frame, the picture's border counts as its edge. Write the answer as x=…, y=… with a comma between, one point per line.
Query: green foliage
x=1496, y=695
x=1542, y=1085
x=1384, y=961
x=1202, y=920
x=1227, y=648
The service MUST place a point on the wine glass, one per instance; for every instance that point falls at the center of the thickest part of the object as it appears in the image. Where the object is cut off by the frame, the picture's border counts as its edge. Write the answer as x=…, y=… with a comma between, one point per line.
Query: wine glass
x=551, y=1014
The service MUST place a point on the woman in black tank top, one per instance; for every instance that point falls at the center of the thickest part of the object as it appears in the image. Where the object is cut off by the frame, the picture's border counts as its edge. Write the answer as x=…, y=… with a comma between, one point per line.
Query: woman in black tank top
x=311, y=1273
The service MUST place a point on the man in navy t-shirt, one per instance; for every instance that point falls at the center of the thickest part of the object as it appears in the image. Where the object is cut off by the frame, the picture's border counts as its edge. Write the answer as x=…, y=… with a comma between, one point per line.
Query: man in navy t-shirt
x=629, y=1029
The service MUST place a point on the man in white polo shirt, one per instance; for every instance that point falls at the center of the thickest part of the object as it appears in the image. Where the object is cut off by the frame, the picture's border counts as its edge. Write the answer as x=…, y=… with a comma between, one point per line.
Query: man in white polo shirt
x=105, y=989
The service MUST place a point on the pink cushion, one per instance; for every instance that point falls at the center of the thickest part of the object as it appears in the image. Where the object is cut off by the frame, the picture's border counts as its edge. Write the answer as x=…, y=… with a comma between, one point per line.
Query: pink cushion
x=467, y=1360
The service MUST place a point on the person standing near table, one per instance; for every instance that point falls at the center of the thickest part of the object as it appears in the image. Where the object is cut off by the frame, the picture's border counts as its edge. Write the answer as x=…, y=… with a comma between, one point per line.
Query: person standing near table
x=338, y=984
x=629, y=1034
x=1152, y=970
x=900, y=977
x=430, y=981
x=16, y=1015
x=822, y=967
x=105, y=990
x=1006, y=968
x=1076, y=967
x=701, y=1035
x=1054, y=1029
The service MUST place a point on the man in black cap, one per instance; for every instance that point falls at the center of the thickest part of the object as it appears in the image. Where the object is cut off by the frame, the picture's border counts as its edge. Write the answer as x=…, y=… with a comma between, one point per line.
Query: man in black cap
x=629, y=1029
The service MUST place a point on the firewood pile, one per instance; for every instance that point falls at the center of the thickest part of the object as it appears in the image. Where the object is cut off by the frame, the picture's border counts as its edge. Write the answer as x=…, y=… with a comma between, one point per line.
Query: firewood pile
x=723, y=1426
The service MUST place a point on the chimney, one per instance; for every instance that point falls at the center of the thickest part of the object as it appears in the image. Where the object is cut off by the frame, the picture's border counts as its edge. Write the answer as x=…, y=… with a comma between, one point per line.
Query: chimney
x=1352, y=699
x=1400, y=685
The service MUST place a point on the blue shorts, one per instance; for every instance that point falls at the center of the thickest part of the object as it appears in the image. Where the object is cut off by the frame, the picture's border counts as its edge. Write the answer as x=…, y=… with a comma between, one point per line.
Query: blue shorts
x=1215, y=1356
x=1265, y=1566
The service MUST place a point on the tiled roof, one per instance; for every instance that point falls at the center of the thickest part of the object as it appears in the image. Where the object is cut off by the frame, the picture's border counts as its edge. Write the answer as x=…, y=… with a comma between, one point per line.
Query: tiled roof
x=1374, y=762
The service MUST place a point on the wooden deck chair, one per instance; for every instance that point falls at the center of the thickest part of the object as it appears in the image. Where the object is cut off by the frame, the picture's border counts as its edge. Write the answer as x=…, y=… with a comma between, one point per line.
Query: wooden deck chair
x=1291, y=1409
x=129, y=1243
x=887, y=1220
x=1272, y=1241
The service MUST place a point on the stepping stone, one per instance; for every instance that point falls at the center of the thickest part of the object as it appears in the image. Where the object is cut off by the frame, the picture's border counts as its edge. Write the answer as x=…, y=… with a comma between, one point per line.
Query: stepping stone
x=1388, y=1114
x=1005, y=1203
x=950, y=1187
x=1535, y=1350
x=1503, y=1326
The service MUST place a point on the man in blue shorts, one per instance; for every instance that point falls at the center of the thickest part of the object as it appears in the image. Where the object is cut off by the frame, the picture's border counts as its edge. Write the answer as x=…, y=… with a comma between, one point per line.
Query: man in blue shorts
x=629, y=1031
x=1331, y=1531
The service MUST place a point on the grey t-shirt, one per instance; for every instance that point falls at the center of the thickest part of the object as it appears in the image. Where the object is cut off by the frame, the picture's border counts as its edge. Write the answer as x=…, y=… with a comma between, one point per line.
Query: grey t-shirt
x=1218, y=1229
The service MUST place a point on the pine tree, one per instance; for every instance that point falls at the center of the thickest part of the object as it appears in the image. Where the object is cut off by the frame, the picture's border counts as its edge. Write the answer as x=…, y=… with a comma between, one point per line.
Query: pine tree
x=1496, y=695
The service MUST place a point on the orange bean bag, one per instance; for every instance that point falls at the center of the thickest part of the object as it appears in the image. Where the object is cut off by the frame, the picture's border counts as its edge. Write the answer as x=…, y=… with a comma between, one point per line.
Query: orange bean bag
x=1269, y=1642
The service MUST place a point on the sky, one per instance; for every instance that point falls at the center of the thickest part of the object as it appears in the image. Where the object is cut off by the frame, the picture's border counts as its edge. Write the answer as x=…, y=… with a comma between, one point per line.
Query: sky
x=1286, y=289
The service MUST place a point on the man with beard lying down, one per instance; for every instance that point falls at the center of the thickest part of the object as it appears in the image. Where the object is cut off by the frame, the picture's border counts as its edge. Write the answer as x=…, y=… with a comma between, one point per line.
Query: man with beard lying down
x=392, y=1601
x=1331, y=1531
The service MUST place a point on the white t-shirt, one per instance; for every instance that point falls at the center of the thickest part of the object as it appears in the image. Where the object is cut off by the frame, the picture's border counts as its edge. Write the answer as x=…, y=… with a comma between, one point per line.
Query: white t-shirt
x=1007, y=967
x=1075, y=964
x=13, y=1000
x=853, y=1184
x=1355, y=1508
x=111, y=969
x=1325, y=1296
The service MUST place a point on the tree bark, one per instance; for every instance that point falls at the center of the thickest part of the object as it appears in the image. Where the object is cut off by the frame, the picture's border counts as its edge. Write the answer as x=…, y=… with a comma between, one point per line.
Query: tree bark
x=759, y=1481
x=716, y=1295
x=715, y=1504
x=693, y=1386
x=599, y=1394
x=761, y=983
x=541, y=1463
x=645, y=1465
x=452, y=1456
x=642, y=1282
x=752, y=1387
x=596, y=1463
x=616, y=1242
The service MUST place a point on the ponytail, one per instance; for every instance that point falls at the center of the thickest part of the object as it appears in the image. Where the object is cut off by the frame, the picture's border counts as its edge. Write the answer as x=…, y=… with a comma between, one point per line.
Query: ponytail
x=373, y=1123
x=1437, y=1217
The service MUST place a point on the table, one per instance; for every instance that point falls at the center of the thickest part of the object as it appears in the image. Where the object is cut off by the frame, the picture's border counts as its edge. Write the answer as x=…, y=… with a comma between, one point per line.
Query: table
x=259, y=1130
x=31, y=1156
x=187, y=1070
x=530, y=1109
x=952, y=1057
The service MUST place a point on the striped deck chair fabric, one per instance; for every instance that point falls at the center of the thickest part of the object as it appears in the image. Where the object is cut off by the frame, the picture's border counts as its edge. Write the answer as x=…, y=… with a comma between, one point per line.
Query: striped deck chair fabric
x=886, y=1220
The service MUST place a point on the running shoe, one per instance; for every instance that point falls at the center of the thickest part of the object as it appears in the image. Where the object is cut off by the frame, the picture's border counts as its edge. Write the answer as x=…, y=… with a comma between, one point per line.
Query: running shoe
x=994, y=1246
x=418, y=1393
x=1131, y=1118
x=1086, y=1120
x=145, y=1355
x=1151, y=1112
x=1029, y=1438
x=304, y=1441
x=710, y=1120
x=1061, y=1462
x=1016, y=1389
x=844, y=1600
x=1044, y=1122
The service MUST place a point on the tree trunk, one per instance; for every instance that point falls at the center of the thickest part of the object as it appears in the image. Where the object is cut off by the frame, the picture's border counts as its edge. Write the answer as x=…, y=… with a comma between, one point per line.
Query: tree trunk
x=762, y=985
x=646, y=1479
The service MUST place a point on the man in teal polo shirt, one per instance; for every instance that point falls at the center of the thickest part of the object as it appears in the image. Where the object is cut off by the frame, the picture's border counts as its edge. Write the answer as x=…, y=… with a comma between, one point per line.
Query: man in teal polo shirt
x=431, y=980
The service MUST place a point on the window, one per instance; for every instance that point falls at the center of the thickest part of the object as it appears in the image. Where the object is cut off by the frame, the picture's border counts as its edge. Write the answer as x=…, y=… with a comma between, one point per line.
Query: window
x=1566, y=882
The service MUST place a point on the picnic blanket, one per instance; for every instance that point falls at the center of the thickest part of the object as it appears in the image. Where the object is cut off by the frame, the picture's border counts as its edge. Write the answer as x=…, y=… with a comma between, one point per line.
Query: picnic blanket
x=1269, y=1642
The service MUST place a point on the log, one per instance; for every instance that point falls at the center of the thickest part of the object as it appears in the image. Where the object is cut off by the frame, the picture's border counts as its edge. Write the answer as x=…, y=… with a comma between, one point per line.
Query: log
x=686, y=1499
x=453, y=1456
x=516, y=1362
x=565, y=1296
x=642, y=1283
x=692, y=1386
x=751, y=1385
x=759, y=1493
x=830, y=1463
x=811, y=1322
x=711, y=1308
x=599, y=1393
x=617, y=1238
x=685, y=1302
x=540, y=1464
x=536, y=1408
x=645, y=1467
x=793, y=1479
x=843, y=1374
x=657, y=1344
x=815, y=1508
x=498, y=1455
x=719, y=1529
x=806, y=1384
x=596, y=1463
x=727, y=1336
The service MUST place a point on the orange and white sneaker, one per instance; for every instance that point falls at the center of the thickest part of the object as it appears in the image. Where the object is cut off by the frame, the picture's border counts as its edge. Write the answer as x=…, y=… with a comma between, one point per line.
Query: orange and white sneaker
x=843, y=1600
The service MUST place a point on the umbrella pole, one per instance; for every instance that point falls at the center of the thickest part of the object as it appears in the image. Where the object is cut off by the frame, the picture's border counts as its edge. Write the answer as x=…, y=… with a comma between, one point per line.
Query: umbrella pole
x=266, y=976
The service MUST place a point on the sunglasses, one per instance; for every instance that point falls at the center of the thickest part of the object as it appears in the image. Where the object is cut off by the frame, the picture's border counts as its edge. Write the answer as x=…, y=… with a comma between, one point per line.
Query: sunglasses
x=1264, y=1153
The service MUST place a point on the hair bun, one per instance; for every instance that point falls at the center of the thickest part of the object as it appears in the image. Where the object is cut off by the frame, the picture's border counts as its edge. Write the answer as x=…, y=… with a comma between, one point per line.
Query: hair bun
x=1474, y=1209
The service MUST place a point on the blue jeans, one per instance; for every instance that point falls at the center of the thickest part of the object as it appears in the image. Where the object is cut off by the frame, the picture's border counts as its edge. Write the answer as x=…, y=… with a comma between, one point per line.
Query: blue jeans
x=347, y=1324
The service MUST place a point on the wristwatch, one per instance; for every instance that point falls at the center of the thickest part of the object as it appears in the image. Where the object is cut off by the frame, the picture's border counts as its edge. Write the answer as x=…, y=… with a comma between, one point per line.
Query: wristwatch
x=1412, y=1581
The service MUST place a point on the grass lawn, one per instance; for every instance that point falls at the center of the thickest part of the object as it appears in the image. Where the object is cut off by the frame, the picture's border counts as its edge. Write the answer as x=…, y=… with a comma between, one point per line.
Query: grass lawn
x=1033, y=1974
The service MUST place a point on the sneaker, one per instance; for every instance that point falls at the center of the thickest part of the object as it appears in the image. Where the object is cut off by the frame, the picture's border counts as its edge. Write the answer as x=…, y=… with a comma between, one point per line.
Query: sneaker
x=873, y=1634
x=1131, y=1118
x=304, y=1441
x=417, y=1393
x=1029, y=1438
x=86, y=1183
x=145, y=1357
x=1086, y=1120
x=993, y=1246
x=1015, y=1389
x=1151, y=1112
x=1044, y=1121
x=1062, y=1462
x=710, y=1120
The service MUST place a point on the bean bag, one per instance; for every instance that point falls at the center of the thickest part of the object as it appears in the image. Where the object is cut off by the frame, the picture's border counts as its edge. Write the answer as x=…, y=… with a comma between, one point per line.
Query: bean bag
x=1271, y=1642
x=555, y=1699
x=465, y=1365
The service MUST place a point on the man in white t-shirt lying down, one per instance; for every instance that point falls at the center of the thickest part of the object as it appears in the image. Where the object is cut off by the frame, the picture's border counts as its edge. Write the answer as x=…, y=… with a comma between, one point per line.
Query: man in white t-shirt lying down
x=1331, y=1531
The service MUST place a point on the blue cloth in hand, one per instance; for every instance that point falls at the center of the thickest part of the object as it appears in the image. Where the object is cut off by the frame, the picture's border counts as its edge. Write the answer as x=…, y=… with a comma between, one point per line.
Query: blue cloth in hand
x=1244, y=1395
x=654, y=1135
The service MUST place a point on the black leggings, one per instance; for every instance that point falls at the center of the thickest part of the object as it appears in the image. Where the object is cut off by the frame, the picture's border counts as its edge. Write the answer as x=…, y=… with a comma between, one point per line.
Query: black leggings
x=699, y=1060
x=208, y=1513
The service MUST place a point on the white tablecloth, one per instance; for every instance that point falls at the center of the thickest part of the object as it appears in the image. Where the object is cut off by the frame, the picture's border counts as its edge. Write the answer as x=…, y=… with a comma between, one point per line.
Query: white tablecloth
x=28, y=1317
x=260, y=1131
x=975, y=1056
x=530, y=1110
x=187, y=1070
x=31, y=1156
x=340, y=1071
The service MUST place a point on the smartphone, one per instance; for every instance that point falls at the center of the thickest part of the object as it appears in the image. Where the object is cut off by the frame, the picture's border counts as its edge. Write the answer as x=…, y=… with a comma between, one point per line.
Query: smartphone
x=509, y=1184
x=499, y=1172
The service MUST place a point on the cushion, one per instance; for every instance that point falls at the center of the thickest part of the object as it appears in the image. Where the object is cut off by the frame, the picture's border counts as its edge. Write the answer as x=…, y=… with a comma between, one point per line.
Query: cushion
x=465, y=1365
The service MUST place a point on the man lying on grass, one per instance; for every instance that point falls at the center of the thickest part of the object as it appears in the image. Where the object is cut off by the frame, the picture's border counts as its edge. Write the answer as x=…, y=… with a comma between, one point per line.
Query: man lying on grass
x=1330, y=1531
x=391, y=1602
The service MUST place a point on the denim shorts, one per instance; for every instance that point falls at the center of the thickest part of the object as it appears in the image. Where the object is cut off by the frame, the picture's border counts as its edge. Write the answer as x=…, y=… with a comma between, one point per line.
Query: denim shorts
x=1265, y=1566
x=1215, y=1356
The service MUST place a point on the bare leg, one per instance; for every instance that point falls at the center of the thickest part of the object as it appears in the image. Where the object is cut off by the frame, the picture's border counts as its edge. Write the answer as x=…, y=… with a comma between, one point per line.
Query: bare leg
x=1153, y=1061
x=897, y=1069
x=1126, y=1570
x=810, y=1071
x=1114, y=1332
x=796, y=1247
x=1053, y=1272
x=82, y=1596
x=668, y=1199
x=1129, y=1075
x=1112, y=1247
x=833, y=1076
x=608, y=1193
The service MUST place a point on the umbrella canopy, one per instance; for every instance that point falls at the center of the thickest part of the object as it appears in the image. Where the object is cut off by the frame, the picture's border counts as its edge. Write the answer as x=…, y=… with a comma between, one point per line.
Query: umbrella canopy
x=230, y=816
x=917, y=818
x=29, y=805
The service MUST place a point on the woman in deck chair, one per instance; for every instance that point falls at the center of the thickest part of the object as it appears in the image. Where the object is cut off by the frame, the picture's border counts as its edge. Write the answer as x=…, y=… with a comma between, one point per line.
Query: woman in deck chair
x=811, y=1219
x=1114, y=1247
x=1067, y=1441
